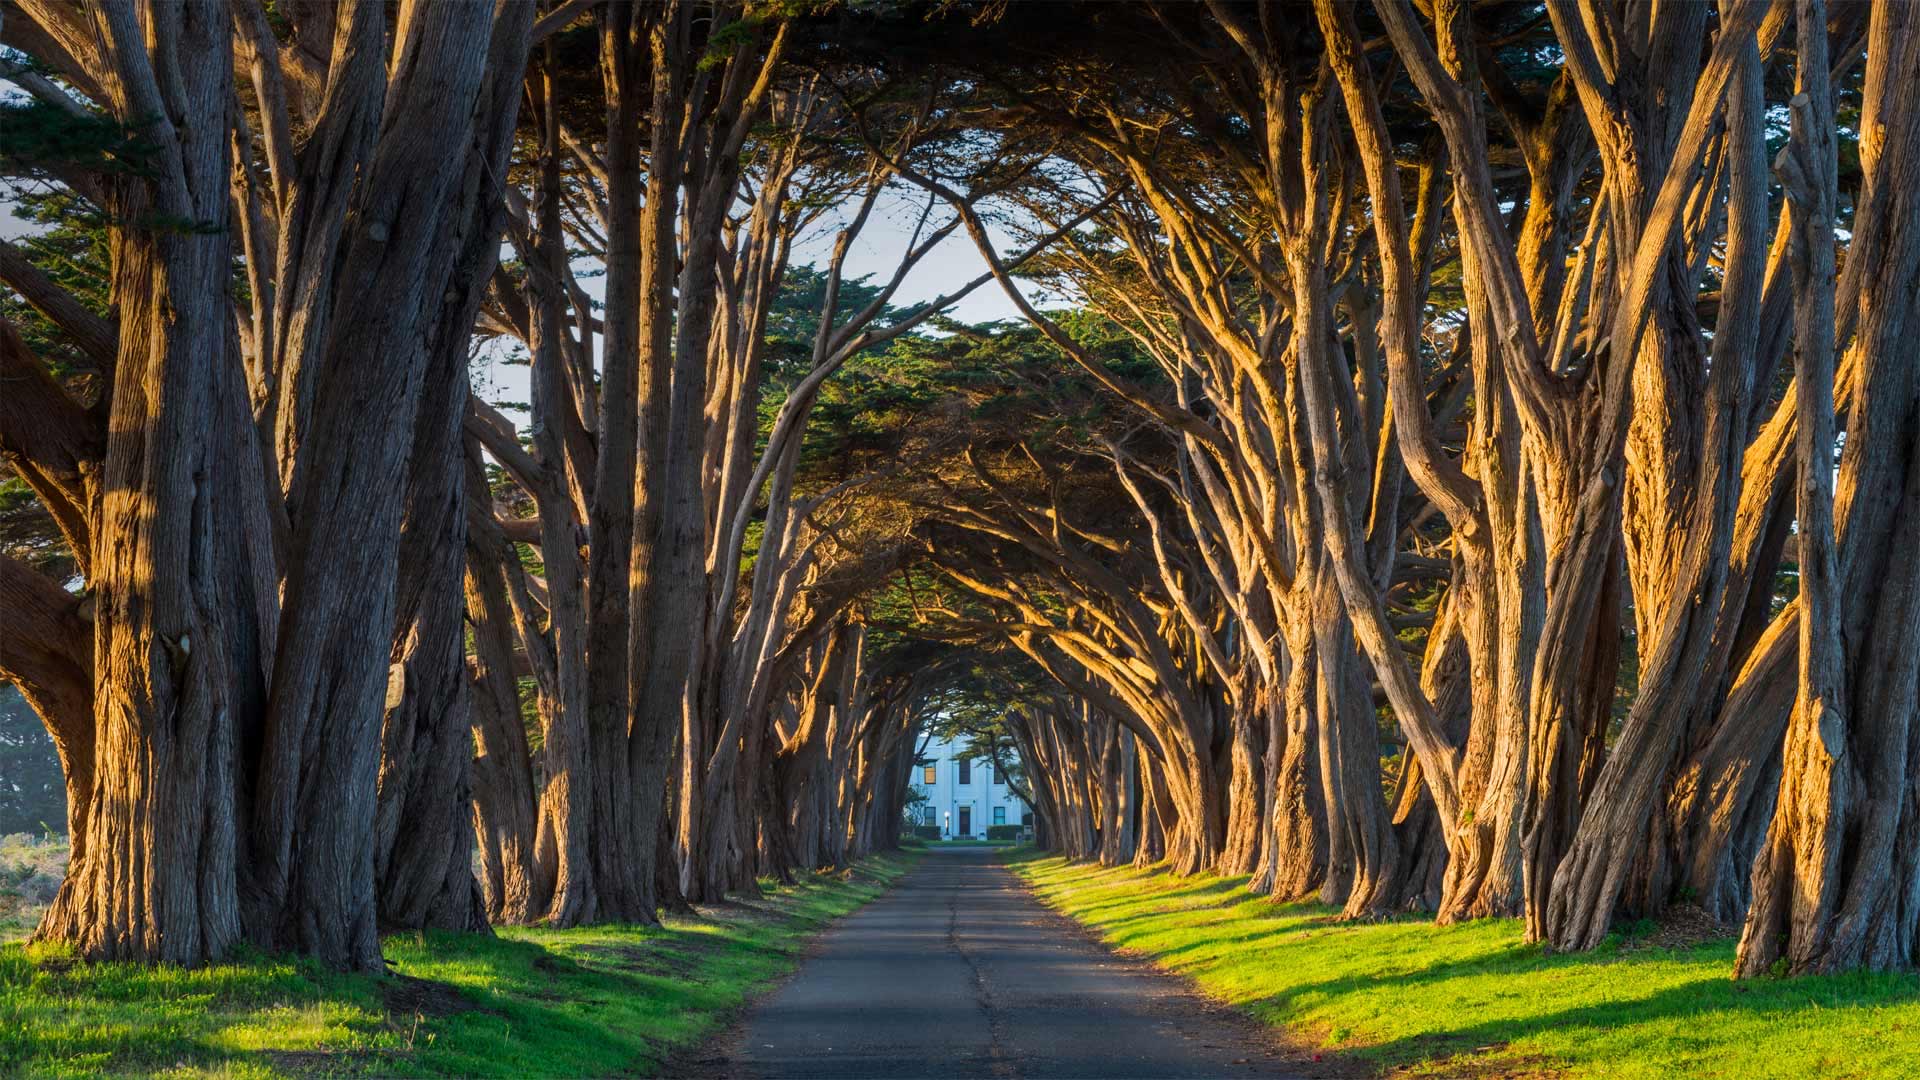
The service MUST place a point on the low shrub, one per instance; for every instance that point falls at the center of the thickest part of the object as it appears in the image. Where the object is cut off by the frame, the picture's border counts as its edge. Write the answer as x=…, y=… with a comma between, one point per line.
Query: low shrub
x=31, y=868
x=1003, y=832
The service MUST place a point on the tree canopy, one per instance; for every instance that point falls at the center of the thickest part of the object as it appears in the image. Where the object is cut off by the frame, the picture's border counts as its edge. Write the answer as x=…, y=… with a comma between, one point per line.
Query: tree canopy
x=1465, y=461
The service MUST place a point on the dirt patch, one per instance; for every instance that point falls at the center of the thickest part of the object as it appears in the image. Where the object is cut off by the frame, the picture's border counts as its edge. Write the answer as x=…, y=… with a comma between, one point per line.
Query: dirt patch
x=679, y=963
x=315, y=1062
x=1683, y=926
x=743, y=911
x=405, y=995
x=1478, y=1068
x=1444, y=1057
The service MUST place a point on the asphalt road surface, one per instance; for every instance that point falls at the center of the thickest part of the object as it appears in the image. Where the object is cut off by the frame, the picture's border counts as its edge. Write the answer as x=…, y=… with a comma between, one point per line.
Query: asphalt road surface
x=959, y=972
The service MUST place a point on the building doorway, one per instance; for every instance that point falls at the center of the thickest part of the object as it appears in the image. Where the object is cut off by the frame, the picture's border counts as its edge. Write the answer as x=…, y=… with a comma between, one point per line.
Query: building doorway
x=966, y=821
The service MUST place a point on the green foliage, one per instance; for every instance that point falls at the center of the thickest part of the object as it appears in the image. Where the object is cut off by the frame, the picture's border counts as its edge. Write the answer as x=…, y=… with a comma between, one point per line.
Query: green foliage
x=958, y=384
x=72, y=248
x=742, y=33
x=33, y=793
x=1473, y=999
x=1003, y=832
x=598, y=1001
x=28, y=533
x=40, y=139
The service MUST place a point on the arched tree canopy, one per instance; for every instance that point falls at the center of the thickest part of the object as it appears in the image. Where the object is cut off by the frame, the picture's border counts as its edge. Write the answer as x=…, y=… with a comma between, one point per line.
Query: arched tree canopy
x=524, y=462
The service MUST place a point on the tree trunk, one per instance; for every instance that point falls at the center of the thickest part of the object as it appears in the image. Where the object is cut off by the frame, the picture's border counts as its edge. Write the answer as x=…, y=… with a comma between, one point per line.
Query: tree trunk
x=506, y=811
x=183, y=614
x=1297, y=825
x=1832, y=888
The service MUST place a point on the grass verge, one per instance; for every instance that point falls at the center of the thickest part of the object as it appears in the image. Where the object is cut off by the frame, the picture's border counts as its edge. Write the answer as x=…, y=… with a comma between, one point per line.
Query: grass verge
x=600, y=1001
x=1475, y=1000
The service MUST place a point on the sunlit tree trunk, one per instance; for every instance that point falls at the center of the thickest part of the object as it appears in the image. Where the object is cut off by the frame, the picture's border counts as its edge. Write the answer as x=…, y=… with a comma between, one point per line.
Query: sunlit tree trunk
x=1830, y=884
x=168, y=706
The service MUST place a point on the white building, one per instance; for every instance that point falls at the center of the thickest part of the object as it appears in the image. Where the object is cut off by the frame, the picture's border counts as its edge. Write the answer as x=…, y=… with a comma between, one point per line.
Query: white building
x=963, y=796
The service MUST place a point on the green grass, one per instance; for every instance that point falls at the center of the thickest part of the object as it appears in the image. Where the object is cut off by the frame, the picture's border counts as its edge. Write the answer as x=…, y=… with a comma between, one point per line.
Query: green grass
x=1474, y=999
x=599, y=1001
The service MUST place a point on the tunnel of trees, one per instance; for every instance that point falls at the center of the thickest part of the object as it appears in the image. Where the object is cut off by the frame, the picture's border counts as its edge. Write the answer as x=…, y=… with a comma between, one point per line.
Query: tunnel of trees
x=1467, y=460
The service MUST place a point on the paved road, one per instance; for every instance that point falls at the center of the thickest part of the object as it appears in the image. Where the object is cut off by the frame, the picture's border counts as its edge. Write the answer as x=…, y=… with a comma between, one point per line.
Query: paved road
x=959, y=972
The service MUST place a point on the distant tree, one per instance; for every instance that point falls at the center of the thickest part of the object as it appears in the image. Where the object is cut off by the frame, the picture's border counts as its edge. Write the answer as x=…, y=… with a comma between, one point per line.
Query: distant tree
x=33, y=793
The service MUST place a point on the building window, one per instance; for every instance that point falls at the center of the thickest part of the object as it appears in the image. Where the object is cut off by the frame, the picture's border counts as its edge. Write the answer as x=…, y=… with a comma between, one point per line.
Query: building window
x=997, y=778
x=926, y=815
x=930, y=775
x=966, y=771
x=999, y=815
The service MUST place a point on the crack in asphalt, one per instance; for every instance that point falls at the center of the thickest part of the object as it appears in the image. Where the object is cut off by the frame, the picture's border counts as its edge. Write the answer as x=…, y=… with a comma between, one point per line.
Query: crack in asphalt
x=997, y=1058
x=1014, y=991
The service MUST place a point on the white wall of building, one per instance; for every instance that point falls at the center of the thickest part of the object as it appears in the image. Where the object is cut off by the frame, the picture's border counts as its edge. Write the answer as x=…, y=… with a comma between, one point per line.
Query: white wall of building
x=962, y=810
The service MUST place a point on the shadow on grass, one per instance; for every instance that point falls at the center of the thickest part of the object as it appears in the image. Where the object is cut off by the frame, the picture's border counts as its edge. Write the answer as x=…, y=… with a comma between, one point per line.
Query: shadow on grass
x=466, y=1005
x=1404, y=993
x=598, y=1001
x=1263, y=935
x=1675, y=1002
x=1165, y=902
x=1508, y=960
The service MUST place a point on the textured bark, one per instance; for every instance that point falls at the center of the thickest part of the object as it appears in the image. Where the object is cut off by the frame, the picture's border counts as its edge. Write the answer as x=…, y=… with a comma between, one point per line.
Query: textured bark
x=557, y=478
x=505, y=805
x=670, y=527
x=607, y=843
x=1361, y=840
x=1363, y=860
x=51, y=442
x=239, y=659
x=1446, y=678
x=1297, y=826
x=178, y=627
x=423, y=830
x=423, y=848
x=1119, y=796
x=1697, y=481
x=311, y=849
x=1494, y=600
x=1832, y=885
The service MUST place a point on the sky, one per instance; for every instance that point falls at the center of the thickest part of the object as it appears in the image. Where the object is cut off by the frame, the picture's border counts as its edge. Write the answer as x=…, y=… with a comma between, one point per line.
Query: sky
x=952, y=264
x=876, y=251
